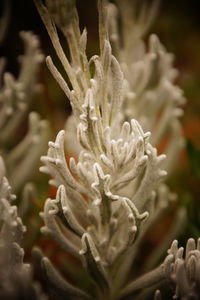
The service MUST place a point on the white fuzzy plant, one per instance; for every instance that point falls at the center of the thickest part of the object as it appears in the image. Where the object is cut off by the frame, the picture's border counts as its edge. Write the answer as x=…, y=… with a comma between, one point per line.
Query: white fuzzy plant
x=150, y=95
x=108, y=198
x=15, y=276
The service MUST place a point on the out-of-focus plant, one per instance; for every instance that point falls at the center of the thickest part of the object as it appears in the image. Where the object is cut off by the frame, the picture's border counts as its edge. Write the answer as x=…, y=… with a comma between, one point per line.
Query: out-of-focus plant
x=21, y=151
x=150, y=95
x=15, y=99
x=16, y=280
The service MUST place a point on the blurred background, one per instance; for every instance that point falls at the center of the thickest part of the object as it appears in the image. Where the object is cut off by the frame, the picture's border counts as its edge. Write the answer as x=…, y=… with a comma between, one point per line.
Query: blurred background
x=178, y=27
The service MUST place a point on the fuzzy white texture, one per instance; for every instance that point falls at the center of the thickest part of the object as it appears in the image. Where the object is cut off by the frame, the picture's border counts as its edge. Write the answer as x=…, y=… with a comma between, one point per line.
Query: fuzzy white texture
x=12, y=229
x=110, y=193
x=15, y=276
x=182, y=268
x=150, y=95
